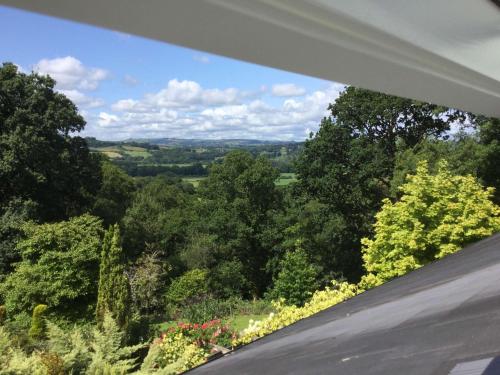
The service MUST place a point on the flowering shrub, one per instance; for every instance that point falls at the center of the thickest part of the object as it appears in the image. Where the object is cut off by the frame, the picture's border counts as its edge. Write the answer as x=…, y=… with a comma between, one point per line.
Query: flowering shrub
x=286, y=315
x=186, y=346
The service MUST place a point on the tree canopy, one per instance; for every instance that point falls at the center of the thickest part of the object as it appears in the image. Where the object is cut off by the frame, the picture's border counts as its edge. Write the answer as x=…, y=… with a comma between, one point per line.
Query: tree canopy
x=41, y=159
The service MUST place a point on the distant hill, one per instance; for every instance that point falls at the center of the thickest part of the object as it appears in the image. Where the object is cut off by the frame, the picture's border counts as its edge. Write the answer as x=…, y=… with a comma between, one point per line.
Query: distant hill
x=176, y=142
x=206, y=142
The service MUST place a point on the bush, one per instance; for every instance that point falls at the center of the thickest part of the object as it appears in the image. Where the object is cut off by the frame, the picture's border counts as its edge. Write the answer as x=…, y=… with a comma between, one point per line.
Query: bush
x=209, y=309
x=186, y=346
x=286, y=315
x=228, y=279
x=436, y=216
x=37, y=330
x=187, y=288
x=297, y=279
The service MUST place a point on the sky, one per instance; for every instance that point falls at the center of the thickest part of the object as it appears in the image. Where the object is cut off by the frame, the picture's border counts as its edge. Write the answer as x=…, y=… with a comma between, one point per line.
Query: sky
x=131, y=87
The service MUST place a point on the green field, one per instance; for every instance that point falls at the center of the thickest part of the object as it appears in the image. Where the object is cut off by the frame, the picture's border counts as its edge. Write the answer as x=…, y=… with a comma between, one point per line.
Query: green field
x=116, y=152
x=285, y=179
x=112, y=154
x=195, y=181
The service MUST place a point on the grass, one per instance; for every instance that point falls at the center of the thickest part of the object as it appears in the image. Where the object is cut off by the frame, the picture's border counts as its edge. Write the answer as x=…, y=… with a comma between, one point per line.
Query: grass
x=112, y=154
x=240, y=322
x=195, y=181
x=237, y=322
x=285, y=179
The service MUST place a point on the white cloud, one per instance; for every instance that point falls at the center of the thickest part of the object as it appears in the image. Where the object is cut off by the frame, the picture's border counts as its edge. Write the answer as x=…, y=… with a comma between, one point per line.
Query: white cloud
x=71, y=74
x=106, y=119
x=204, y=59
x=82, y=100
x=185, y=109
x=287, y=89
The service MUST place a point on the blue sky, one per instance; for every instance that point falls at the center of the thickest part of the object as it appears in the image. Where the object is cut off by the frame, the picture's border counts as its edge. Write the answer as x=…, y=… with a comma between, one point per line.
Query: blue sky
x=126, y=86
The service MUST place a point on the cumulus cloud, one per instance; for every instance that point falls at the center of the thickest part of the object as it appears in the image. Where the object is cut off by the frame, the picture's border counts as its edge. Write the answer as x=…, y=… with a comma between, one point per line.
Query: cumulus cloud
x=184, y=109
x=71, y=74
x=82, y=100
x=73, y=79
x=287, y=89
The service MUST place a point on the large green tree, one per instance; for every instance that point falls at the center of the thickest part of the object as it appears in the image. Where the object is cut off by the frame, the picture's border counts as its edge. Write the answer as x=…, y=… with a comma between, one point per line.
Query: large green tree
x=347, y=166
x=238, y=201
x=40, y=158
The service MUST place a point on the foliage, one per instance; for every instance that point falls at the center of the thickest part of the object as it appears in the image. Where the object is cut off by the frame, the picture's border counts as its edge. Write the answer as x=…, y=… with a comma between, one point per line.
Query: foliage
x=37, y=330
x=387, y=119
x=39, y=160
x=297, y=279
x=186, y=346
x=12, y=218
x=288, y=314
x=188, y=287
x=436, y=216
x=341, y=188
x=159, y=216
x=114, y=289
x=58, y=268
x=108, y=354
x=3, y=314
x=227, y=279
x=489, y=138
x=238, y=201
x=208, y=309
x=114, y=195
x=147, y=278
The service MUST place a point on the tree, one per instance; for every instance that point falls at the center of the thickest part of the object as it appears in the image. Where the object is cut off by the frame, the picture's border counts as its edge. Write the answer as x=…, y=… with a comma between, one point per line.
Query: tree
x=58, y=268
x=40, y=158
x=114, y=289
x=346, y=168
x=159, y=215
x=489, y=138
x=344, y=177
x=114, y=195
x=436, y=216
x=238, y=201
x=297, y=279
x=147, y=280
x=385, y=119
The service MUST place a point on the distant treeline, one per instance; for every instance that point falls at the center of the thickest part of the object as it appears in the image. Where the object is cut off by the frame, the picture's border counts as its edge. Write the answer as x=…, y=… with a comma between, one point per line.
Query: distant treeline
x=138, y=170
x=95, y=143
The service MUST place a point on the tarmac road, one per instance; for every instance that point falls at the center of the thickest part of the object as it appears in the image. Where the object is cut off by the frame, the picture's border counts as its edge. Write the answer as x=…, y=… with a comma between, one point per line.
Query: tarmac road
x=426, y=322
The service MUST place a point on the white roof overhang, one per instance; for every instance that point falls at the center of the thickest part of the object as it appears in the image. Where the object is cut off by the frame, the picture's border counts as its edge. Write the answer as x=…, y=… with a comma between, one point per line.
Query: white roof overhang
x=442, y=51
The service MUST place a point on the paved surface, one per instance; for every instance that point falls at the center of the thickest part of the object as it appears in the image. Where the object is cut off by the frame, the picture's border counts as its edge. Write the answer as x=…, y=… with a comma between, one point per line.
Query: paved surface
x=425, y=322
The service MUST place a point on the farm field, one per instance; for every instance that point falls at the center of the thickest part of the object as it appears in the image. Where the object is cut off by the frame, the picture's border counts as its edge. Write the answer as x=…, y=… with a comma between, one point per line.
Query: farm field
x=286, y=179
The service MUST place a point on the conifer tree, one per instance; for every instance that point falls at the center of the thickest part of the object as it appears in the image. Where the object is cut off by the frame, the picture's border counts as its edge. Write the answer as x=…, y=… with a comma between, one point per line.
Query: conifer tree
x=114, y=289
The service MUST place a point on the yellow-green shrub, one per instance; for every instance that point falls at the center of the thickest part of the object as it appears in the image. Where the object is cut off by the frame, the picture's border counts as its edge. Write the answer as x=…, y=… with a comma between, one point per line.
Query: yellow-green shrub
x=436, y=216
x=286, y=315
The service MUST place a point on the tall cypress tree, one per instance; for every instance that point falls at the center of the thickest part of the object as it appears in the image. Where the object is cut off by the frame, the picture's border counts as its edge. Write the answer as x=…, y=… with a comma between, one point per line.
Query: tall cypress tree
x=114, y=289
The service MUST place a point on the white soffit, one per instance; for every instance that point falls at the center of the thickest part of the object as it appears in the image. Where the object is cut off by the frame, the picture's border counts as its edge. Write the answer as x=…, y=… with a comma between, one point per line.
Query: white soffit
x=442, y=51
